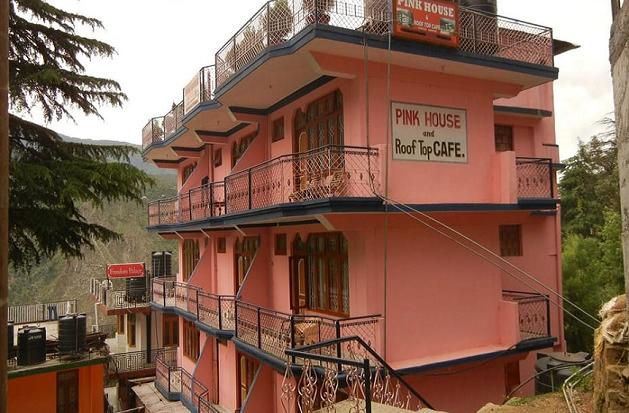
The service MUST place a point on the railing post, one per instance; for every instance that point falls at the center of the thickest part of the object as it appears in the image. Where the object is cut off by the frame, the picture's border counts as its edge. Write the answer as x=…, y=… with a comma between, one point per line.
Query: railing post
x=268, y=24
x=225, y=194
x=548, y=331
x=235, y=318
x=159, y=211
x=550, y=177
x=198, y=305
x=211, y=198
x=220, y=314
x=259, y=330
x=190, y=204
x=367, y=376
x=292, y=334
x=250, y=192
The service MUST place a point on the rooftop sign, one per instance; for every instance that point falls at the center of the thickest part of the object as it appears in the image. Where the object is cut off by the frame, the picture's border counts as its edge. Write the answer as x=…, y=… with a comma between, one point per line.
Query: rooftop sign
x=127, y=270
x=435, y=21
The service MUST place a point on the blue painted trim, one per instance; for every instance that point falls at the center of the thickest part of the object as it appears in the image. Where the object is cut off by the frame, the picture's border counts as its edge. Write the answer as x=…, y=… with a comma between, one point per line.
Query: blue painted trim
x=314, y=85
x=514, y=110
x=522, y=347
x=161, y=308
x=399, y=45
x=209, y=105
x=225, y=134
x=170, y=396
x=336, y=205
x=220, y=334
x=258, y=354
x=183, y=148
x=189, y=405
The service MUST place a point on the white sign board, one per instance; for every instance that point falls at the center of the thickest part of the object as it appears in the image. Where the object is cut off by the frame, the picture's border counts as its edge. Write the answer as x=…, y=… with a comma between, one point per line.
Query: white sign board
x=428, y=133
x=191, y=94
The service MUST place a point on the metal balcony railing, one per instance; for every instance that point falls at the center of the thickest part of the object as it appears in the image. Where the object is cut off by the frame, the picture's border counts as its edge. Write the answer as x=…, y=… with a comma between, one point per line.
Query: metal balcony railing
x=135, y=361
x=534, y=313
x=118, y=299
x=278, y=21
x=536, y=178
x=326, y=172
x=164, y=291
x=175, y=382
x=274, y=332
x=38, y=313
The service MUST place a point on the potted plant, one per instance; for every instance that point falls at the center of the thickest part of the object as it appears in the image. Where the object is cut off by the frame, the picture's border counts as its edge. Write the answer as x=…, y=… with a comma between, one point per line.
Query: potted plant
x=278, y=22
x=317, y=11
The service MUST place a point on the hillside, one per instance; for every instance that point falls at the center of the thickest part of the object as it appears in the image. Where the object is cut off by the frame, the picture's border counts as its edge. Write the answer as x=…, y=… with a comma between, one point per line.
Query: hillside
x=59, y=278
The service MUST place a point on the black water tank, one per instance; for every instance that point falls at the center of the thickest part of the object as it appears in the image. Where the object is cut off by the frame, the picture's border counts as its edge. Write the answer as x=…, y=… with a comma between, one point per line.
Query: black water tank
x=161, y=263
x=10, y=338
x=136, y=289
x=555, y=368
x=488, y=6
x=31, y=346
x=72, y=332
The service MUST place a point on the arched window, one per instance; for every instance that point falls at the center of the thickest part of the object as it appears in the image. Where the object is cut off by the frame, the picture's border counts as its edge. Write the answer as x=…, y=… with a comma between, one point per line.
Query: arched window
x=321, y=125
x=320, y=273
x=245, y=251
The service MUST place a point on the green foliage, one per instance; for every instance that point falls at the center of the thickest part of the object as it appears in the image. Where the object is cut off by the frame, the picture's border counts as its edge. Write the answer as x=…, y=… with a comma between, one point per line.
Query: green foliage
x=50, y=178
x=592, y=248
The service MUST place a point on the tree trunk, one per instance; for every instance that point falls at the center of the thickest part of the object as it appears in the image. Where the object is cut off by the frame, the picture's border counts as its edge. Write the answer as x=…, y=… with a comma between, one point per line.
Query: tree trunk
x=4, y=196
x=619, y=59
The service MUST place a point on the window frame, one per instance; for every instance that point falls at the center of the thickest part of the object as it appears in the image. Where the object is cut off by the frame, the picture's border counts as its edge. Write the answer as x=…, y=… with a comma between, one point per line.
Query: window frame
x=499, y=144
x=67, y=378
x=191, y=335
x=170, y=330
x=191, y=256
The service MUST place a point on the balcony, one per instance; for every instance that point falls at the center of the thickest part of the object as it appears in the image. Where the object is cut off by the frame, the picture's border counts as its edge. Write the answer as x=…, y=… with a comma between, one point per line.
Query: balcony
x=274, y=332
x=536, y=177
x=327, y=172
x=533, y=314
x=117, y=300
x=216, y=312
x=40, y=313
x=175, y=383
x=279, y=23
x=200, y=89
x=134, y=362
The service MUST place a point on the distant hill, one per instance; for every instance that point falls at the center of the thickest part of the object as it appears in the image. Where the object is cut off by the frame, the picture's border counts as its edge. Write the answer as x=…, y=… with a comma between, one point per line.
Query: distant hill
x=59, y=278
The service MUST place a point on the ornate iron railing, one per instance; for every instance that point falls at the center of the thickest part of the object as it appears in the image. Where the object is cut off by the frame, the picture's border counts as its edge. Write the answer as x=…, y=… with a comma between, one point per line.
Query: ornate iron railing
x=175, y=382
x=38, y=313
x=164, y=291
x=326, y=172
x=137, y=360
x=278, y=21
x=274, y=332
x=533, y=313
x=367, y=384
x=536, y=178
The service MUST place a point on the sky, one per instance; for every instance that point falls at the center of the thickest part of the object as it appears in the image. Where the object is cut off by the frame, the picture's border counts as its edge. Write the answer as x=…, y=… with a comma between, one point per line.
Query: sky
x=161, y=44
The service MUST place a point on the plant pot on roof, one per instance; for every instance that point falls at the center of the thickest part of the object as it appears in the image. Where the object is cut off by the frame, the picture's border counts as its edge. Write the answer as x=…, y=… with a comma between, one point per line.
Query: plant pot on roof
x=318, y=11
x=278, y=23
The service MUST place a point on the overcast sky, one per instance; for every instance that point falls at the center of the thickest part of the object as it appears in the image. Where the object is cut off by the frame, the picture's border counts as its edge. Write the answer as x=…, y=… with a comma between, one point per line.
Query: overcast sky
x=162, y=43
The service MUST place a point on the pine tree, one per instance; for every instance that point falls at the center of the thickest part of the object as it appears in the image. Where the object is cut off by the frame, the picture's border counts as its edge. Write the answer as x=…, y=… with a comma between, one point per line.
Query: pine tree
x=50, y=178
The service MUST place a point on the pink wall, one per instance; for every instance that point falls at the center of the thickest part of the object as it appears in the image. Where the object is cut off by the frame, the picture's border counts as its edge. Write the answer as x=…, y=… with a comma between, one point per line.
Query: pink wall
x=261, y=396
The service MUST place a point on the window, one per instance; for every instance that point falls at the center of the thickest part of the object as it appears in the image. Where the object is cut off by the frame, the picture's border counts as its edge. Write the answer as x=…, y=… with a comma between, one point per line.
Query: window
x=320, y=273
x=120, y=324
x=246, y=372
x=320, y=125
x=68, y=391
x=170, y=330
x=280, y=244
x=503, y=136
x=190, y=340
x=190, y=257
x=221, y=245
x=512, y=376
x=277, y=134
x=218, y=157
x=510, y=240
x=187, y=171
x=245, y=250
x=131, y=330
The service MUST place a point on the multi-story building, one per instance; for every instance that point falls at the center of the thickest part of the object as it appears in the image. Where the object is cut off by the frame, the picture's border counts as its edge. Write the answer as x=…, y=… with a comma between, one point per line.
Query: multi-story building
x=343, y=173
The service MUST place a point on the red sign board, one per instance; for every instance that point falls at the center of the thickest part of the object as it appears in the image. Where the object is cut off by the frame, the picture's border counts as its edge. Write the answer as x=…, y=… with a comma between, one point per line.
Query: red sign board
x=435, y=21
x=128, y=270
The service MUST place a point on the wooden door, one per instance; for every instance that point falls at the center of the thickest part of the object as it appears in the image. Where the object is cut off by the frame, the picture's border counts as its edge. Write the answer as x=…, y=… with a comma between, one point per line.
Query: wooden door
x=298, y=284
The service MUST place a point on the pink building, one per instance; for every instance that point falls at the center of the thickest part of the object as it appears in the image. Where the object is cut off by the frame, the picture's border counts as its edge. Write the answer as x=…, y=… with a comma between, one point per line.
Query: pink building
x=286, y=149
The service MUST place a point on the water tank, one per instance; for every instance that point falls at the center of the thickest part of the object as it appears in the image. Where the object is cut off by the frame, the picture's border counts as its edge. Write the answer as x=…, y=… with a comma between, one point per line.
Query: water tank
x=555, y=368
x=161, y=263
x=136, y=289
x=72, y=331
x=31, y=346
x=10, y=339
x=488, y=6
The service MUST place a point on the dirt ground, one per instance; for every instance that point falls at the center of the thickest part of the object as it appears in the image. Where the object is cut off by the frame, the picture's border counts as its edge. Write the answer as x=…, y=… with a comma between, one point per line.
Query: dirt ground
x=551, y=403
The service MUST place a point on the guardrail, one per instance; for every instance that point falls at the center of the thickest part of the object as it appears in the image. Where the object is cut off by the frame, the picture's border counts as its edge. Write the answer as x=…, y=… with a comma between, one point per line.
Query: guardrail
x=534, y=313
x=177, y=383
x=39, y=313
x=164, y=291
x=536, y=178
x=326, y=172
x=120, y=363
x=135, y=297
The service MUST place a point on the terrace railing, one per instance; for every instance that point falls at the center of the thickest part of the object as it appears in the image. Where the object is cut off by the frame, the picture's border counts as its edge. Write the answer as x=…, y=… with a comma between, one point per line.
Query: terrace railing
x=326, y=172
x=277, y=22
x=534, y=313
x=177, y=383
x=274, y=332
x=118, y=299
x=136, y=360
x=536, y=178
x=38, y=313
x=164, y=291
